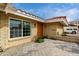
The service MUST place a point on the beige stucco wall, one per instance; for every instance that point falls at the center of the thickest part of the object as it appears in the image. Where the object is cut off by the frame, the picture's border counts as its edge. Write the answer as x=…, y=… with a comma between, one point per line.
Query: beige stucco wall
x=52, y=29
x=3, y=29
x=5, y=39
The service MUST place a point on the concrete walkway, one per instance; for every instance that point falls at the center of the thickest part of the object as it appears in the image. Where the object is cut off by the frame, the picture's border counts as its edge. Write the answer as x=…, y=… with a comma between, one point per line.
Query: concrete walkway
x=47, y=48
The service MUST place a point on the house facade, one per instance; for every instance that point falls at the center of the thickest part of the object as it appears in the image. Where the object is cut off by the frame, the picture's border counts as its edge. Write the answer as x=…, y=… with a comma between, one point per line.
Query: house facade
x=75, y=22
x=18, y=27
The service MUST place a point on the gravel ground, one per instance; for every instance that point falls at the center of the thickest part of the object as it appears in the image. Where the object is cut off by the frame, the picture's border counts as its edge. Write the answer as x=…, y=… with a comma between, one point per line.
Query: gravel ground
x=47, y=48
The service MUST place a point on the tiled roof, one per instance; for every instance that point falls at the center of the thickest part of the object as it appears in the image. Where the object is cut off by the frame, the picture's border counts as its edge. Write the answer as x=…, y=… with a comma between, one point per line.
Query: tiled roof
x=56, y=17
x=14, y=10
x=61, y=19
x=29, y=14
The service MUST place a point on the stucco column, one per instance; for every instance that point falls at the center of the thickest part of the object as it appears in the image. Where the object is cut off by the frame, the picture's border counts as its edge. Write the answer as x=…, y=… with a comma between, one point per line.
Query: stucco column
x=4, y=35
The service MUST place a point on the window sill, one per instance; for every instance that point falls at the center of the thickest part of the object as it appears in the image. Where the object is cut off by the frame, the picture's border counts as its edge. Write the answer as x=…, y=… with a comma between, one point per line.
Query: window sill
x=19, y=38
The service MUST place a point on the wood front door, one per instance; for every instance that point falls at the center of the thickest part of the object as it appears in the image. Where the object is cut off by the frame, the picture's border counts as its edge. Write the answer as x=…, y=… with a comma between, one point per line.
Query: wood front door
x=39, y=29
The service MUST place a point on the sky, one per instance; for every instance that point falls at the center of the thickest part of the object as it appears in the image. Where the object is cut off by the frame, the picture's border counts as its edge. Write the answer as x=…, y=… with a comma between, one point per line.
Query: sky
x=50, y=10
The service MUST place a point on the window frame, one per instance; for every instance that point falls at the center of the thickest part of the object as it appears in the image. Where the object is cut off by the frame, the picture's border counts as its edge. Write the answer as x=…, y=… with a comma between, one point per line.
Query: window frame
x=16, y=30
x=30, y=28
x=17, y=38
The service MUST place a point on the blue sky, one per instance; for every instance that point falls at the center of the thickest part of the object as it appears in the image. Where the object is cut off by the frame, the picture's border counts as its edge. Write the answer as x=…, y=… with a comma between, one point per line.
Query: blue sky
x=49, y=10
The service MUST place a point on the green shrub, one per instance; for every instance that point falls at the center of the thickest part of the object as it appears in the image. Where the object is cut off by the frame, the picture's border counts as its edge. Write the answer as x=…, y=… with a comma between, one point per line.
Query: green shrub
x=40, y=40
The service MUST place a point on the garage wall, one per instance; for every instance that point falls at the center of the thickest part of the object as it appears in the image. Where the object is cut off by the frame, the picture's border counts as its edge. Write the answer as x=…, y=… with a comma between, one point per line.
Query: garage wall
x=53, y=29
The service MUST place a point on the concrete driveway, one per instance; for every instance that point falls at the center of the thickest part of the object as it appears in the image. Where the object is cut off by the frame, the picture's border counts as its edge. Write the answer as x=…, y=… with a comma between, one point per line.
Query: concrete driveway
x=47, y=48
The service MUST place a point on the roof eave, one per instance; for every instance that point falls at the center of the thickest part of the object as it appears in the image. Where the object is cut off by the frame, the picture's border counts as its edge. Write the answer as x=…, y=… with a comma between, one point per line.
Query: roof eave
x=26, y=17
x=64, y=23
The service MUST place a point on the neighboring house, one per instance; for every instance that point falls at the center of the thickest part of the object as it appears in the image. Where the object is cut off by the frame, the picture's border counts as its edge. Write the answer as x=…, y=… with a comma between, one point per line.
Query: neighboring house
x=75, y=22
x=18, y=27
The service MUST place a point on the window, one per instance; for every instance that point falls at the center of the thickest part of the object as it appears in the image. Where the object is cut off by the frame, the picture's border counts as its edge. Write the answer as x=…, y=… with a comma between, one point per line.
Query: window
x=19, y=28
x=26, y=28
x=15, y=28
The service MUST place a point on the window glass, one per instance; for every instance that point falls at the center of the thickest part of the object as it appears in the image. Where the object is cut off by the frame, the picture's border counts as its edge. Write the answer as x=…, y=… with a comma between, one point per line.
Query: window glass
x=15, y=28
x=26, y=28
